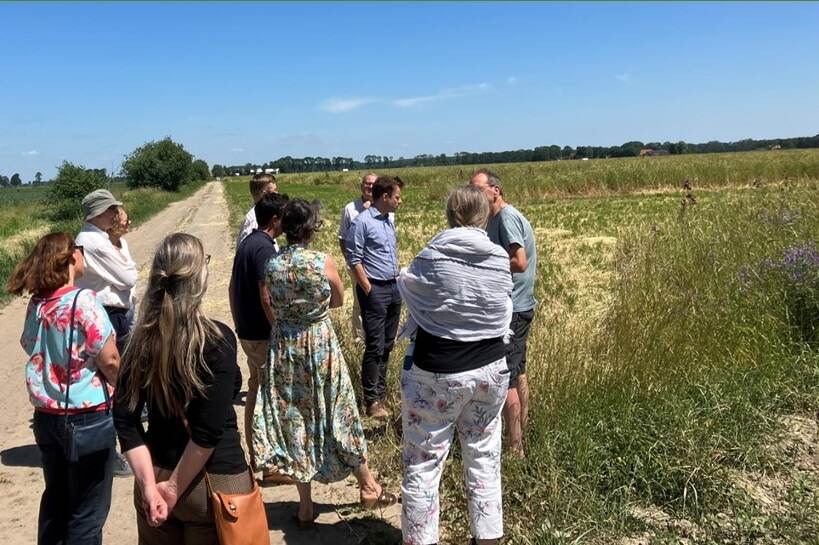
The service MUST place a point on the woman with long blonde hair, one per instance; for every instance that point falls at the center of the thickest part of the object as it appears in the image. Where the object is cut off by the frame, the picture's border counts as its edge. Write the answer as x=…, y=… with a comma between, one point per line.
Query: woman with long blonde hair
x=183, y=366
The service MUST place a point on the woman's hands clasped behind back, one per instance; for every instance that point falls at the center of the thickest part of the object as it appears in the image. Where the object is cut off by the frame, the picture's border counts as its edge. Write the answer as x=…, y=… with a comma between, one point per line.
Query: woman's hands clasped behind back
x=155, y=506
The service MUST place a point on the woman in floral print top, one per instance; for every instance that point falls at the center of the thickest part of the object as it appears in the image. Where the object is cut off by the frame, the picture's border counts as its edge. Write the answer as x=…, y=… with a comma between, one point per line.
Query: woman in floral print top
x=77, y=495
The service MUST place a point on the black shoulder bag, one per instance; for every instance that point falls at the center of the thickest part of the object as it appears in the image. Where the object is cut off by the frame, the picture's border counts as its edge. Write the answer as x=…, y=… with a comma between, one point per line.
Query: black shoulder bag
x=84, y=439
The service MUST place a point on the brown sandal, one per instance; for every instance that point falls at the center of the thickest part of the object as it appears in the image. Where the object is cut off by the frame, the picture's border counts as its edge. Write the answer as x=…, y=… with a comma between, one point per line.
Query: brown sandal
x=274, y=478
x=385, y=499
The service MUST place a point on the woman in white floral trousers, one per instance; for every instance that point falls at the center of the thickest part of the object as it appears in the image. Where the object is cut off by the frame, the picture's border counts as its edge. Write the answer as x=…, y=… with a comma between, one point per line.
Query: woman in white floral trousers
x=458, y=294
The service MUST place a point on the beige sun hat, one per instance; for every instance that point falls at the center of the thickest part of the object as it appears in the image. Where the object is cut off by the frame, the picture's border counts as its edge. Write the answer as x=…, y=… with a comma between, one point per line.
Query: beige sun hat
x=97, y=202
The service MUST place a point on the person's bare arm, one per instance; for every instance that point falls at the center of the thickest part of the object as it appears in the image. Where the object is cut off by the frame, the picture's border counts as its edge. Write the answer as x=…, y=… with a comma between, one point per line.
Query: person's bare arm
x=108, y=360
x=517, y=258
x=361, y=278
x=336, y=287
x=190, y=464
x=264, y=295
x=154, y=505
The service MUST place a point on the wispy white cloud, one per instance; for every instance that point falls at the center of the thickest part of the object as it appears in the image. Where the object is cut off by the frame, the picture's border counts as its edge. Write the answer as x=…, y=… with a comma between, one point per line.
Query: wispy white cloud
x=237, y=150
x=455, y=92
x=31, y=153
x=625, y=77
x=340, y=105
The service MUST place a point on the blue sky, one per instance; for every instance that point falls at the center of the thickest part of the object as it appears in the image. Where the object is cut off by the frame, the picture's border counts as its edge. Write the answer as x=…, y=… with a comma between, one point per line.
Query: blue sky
x=250, y=82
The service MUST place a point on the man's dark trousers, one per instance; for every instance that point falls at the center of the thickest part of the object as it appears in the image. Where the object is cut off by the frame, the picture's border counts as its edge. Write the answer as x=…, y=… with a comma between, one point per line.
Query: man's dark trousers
x=380, y=311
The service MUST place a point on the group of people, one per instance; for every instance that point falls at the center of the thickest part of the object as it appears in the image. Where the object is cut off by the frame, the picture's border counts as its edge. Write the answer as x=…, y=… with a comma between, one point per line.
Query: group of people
x=469, y=296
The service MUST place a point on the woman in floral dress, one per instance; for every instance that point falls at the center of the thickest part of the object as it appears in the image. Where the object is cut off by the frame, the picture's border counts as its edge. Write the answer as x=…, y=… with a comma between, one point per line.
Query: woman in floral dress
x=307, y=424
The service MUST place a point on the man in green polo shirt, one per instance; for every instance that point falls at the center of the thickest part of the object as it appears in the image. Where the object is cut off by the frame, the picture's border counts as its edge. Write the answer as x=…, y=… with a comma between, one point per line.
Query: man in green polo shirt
x=511, y=230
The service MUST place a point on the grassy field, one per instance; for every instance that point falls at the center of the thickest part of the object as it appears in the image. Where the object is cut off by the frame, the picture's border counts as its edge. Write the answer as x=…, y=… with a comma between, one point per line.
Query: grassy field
x=672, y=358
x=24, y=217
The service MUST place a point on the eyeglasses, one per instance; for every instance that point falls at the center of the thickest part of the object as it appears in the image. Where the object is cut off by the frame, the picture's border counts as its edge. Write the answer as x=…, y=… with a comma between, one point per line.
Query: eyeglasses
x=81, y=249
x=207, y=259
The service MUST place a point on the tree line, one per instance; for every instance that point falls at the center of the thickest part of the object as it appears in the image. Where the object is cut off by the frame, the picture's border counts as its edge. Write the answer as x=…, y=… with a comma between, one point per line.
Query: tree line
x=167, y=165
x=540, y=153
x=16, y=181
x=164, y=164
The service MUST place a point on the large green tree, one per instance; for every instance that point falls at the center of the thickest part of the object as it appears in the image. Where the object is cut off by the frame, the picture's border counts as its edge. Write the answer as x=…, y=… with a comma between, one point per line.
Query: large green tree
x=73, y=182
x=218, y=171
x=16, y=181
x=200, y=170
x=164, y=164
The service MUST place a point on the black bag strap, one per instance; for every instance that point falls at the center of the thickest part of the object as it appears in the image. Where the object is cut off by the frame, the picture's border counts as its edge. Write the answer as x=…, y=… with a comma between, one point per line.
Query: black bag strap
x=70, y=358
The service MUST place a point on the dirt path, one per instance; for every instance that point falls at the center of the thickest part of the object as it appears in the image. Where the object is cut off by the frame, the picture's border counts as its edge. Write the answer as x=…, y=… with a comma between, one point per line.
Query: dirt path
x=204, y=215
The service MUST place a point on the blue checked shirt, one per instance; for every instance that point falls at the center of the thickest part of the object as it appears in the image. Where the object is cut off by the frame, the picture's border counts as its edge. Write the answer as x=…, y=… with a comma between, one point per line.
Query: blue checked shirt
x=371, y=242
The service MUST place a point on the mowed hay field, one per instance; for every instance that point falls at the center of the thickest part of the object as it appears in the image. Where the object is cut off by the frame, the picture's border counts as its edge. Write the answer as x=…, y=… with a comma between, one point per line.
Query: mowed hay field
x=672, y=361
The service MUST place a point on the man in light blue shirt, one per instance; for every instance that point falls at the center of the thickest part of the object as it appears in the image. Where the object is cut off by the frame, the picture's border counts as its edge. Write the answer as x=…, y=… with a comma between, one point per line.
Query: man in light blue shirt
x=509, y=229
x=372, y=255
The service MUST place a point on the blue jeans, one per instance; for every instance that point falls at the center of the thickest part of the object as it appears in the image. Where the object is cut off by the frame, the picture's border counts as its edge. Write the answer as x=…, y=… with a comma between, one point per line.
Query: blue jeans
x=77, y=495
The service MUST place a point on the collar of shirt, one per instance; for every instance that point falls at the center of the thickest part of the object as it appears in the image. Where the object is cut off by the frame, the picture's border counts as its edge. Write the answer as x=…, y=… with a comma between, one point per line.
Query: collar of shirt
x=374, y=212
x=91, y=228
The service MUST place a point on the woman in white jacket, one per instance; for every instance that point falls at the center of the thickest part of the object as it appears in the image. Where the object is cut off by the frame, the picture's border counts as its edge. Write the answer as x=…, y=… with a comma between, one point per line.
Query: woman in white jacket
x=458, y=295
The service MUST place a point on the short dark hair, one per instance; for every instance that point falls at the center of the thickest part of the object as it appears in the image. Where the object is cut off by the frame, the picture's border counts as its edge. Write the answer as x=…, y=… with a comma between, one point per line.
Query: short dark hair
x=259, y=182
x=301, y=220
x=385, y=185
x=269, y=206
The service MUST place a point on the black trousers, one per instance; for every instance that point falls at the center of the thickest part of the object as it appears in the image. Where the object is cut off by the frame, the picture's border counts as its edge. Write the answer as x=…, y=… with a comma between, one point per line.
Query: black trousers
x=77, y=495
x=380, y=311
x=122, y=327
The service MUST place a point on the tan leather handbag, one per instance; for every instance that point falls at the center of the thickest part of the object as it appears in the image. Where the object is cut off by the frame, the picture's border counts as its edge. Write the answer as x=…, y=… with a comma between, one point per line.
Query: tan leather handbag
x=240, y=518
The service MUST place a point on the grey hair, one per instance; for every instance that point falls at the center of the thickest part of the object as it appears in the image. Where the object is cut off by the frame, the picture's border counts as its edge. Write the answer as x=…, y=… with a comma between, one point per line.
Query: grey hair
x=467, y=207
x=491, y=176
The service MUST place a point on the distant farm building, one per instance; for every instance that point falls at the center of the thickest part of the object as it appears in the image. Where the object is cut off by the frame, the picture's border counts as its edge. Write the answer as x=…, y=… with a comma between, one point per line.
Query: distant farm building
x=271, y=171
x=648, y=152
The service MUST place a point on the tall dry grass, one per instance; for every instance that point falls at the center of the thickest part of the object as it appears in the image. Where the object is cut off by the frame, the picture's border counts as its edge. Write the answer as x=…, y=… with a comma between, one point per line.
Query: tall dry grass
x=664, y=350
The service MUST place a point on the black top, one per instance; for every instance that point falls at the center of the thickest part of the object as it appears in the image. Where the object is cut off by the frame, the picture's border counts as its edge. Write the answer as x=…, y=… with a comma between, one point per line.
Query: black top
x=248, y=270
x=439, y=355
x=211, y=417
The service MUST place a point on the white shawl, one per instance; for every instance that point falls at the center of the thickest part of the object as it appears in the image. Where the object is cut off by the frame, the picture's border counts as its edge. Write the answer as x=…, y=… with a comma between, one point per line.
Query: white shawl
x=458, y=287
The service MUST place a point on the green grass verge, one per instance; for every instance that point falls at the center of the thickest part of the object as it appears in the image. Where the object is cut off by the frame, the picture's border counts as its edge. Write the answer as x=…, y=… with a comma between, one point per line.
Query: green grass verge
x=25, y=218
